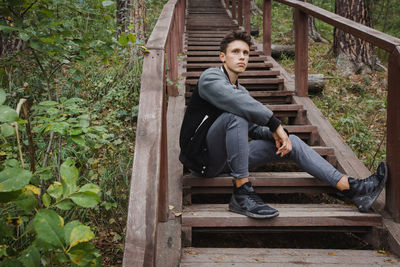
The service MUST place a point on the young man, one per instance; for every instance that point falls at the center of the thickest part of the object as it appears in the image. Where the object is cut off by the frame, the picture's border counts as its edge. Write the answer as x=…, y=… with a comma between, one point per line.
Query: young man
x=220, y=118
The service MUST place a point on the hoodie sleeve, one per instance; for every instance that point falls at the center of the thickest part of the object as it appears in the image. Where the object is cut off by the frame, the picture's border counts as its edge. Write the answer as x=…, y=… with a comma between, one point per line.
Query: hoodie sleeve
x=215, y=88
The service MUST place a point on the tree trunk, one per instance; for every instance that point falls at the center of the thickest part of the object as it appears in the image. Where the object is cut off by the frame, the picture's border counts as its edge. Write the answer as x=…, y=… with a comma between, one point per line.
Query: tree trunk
x=138, y=18
x=122, y=15
x=352, y=54
x=313, y=34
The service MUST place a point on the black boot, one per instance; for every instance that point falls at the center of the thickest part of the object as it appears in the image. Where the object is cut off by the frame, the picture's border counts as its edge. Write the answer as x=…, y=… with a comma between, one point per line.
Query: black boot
x=363, y=192
x=245, y=201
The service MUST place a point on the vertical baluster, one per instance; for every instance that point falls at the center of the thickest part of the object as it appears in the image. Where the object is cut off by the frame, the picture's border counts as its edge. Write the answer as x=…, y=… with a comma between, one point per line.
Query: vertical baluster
x=267, y=27
x=393, y=136
x=247, y=16
x=301, y=52
x=227, y=4
x=240, y=12
x=234, y=9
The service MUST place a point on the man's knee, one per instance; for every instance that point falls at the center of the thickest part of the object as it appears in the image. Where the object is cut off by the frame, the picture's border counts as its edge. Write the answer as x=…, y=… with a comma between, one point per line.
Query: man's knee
x=234, y=120
x=296, y=141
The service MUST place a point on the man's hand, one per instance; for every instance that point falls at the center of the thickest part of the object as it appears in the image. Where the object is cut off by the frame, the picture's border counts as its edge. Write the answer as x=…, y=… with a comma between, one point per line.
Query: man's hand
x=282, y=141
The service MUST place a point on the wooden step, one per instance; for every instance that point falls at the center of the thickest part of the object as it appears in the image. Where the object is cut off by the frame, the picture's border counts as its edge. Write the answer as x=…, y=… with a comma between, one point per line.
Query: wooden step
x=267, y=97
x=290, y=215
x=277, y=257
x=217, y=59
x=264, y=183
x=246, y=74
x=264, y=65
x=308, y=133
x=208, y=48
x=247, y=81
x=296, y=114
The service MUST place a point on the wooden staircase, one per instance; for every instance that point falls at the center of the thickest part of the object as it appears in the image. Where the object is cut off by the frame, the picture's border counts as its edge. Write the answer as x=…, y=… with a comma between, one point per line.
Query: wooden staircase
x=175, y=219
x=205, y=199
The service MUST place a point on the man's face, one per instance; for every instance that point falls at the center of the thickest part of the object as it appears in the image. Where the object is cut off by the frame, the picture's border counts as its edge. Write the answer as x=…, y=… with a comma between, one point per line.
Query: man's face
x=236, y=57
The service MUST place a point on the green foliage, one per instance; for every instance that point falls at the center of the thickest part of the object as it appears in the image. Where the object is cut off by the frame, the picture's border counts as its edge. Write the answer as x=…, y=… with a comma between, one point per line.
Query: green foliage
x=40, y=227
x=81, y=81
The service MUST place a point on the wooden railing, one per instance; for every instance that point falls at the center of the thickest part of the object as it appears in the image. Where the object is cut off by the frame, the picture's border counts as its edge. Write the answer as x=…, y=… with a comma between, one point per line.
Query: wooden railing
x=384, y=41
x=148, y=200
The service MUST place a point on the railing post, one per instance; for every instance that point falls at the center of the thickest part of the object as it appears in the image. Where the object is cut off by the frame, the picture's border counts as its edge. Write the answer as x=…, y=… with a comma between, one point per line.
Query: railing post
x=247, y=16
x=267, y=27
x=240, y=12
x=233, y=9
x=393, y=136
x=227, y=4
x=301, y=52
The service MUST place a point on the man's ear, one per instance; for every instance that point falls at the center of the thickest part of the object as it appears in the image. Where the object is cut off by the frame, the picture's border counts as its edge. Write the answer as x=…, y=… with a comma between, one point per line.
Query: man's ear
x=222, y=57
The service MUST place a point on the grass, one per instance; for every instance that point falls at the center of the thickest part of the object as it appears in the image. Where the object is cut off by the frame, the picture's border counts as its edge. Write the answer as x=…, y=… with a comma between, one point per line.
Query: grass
x=354, y=105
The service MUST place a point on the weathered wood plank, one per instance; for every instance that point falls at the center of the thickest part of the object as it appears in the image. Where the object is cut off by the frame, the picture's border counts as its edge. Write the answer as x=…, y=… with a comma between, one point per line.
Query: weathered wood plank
x=142, y=220
x=265, y=65
x=257, y=179
x=246, y=81
x=301, y=52
x=249, y=73
x=217, y=215
x=217, y=59
x=158, y=38
x=275, y=257
x=393, y=136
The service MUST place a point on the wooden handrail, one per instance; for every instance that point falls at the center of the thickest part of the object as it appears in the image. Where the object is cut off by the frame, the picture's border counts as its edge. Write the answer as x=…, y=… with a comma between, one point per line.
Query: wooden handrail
x=148, y=200
x=380, y=39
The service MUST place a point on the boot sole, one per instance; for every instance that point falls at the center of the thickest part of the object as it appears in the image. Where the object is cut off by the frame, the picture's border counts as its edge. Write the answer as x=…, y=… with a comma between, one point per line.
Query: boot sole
x=252, y=215
x=371, y=199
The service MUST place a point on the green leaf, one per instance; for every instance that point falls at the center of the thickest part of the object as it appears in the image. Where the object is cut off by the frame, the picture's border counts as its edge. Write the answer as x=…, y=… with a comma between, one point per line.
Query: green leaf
x=55, y=190
x=60, y=127
x=24, y=36
x=30, y=257
x=45, y=173
x=10, y=263
x=5, y=229
x=90, y=188
x=123, y=39
x=3, y=250
x=145, y=49
x=2, y=96
x=26, y=201
x=12, y=179
x=46, y=200
x=9, y=196
x=75, y=131
x=84, y=254
x=35, y=44
x=7, y=114
x=107, y=3
x=48, y=227
x=85, y=199
x=68, y=229
x=48, y=103
x=78, y=139
x=52, y=111
x=6, y=28
x=80, y=234
x=69, y=176
x=132, y=37
x=84, y=123
x=66, y=204
x=47, y=40
x=7, y=130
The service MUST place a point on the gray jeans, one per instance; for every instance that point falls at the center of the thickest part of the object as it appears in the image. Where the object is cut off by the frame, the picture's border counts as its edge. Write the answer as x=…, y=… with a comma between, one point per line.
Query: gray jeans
x=230, y=151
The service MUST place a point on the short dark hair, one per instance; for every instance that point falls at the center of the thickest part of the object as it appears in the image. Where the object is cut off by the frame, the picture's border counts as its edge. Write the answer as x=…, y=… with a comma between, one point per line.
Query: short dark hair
x=233, y=36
